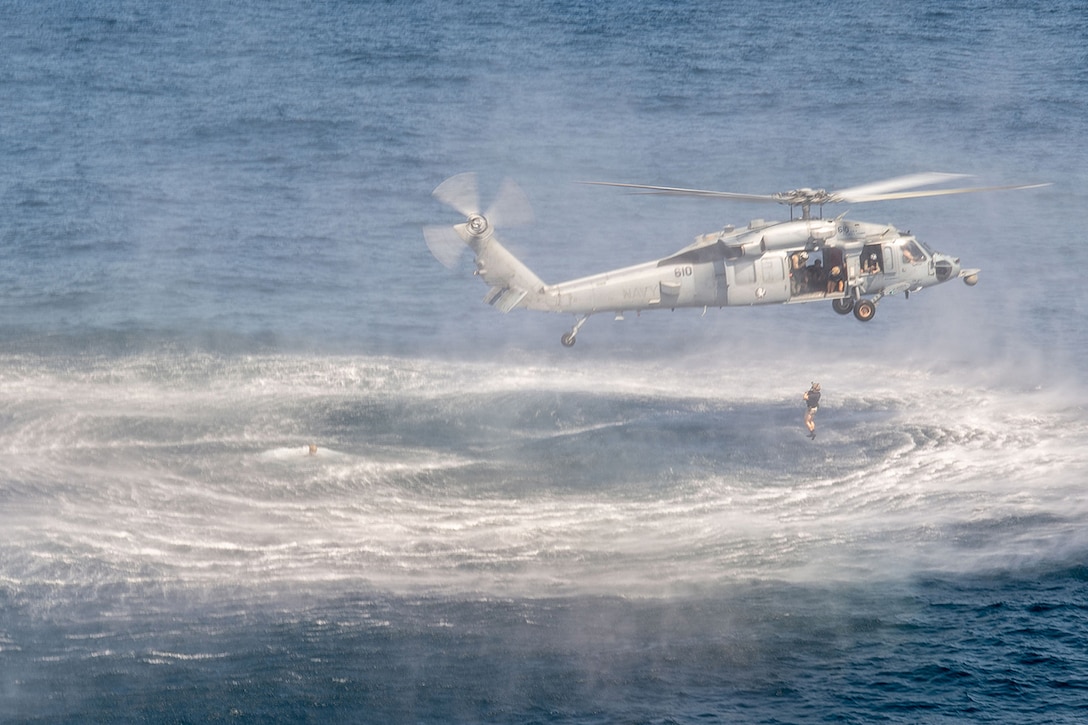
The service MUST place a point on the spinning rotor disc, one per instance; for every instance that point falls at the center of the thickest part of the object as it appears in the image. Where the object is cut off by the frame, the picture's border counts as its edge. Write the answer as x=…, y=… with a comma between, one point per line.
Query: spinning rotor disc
x=886, y=190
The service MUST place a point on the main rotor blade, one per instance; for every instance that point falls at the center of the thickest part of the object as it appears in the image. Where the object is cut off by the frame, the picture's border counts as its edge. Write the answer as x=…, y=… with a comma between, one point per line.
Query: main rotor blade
x=510, y=208
x=941, y=192
x=886, y=190
x=460, y=192
x=445, y=244
x=897, y=183
x=675, y=191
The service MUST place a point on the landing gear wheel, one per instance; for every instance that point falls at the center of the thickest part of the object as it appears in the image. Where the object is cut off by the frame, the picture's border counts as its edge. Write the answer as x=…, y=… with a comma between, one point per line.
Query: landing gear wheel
x=864, y=310
x=569, y=338
x=843, y=306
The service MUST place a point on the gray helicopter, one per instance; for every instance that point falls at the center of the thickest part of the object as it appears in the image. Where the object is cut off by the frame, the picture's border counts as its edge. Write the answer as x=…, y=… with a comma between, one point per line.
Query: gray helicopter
x=808, y=259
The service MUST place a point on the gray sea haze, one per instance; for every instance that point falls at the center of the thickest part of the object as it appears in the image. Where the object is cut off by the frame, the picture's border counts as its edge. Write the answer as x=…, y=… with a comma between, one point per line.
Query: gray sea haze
x=211, y=256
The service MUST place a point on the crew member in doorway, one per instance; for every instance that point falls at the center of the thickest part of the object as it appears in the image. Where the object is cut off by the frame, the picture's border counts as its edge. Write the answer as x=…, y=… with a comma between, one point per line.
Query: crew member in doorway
x=812, y=401
x=836, y=280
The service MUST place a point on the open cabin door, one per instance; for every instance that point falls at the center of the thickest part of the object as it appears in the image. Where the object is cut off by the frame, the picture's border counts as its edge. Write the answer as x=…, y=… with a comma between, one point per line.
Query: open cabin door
x=818, y=275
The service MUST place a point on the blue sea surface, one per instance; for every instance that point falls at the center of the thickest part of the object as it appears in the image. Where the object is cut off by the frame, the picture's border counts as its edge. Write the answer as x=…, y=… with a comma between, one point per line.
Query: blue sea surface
x=211, y=257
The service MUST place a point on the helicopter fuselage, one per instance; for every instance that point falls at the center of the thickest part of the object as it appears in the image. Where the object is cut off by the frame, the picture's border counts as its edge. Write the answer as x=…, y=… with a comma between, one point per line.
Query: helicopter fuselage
x=764, y=263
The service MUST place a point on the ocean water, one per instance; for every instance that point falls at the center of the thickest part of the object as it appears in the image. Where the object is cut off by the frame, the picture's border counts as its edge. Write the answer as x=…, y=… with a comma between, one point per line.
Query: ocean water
x=211, y=257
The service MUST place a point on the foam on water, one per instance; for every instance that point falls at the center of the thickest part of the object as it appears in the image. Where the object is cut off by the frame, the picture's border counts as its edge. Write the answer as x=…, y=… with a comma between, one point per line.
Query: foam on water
x=446, y=477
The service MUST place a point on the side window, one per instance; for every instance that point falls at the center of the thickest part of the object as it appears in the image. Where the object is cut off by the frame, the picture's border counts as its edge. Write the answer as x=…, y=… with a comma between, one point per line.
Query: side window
x=871, y=260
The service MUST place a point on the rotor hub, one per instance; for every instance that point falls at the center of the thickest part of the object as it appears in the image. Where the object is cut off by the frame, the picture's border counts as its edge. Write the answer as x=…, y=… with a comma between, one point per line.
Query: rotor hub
x=477, y=224
x=799, y=197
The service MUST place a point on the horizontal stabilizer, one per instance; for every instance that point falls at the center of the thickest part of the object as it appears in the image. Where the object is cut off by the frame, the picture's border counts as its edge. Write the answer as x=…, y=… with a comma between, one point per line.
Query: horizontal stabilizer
x=504, y=299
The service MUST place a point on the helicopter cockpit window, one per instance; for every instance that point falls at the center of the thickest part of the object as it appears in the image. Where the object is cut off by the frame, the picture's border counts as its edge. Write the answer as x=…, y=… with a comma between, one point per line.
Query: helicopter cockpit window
x=912, y=253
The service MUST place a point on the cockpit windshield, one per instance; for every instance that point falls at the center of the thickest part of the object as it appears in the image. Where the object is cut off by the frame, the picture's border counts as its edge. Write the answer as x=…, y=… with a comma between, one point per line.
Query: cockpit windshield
x=912, y=253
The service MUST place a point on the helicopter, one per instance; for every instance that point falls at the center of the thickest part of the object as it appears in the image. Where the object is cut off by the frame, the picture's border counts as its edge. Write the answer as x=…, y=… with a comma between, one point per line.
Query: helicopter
x=851, y=264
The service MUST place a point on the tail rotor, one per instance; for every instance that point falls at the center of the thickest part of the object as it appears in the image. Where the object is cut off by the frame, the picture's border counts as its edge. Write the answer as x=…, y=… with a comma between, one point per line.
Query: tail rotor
x=510, y=208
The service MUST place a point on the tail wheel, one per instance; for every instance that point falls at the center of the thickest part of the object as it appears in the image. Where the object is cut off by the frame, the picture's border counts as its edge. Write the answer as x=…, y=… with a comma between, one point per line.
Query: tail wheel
x=864, y=310
x=843, y=306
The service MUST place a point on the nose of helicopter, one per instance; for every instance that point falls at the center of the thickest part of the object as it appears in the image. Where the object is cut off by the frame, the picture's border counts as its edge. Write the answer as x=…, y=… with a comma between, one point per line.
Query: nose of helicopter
x=947, y=267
